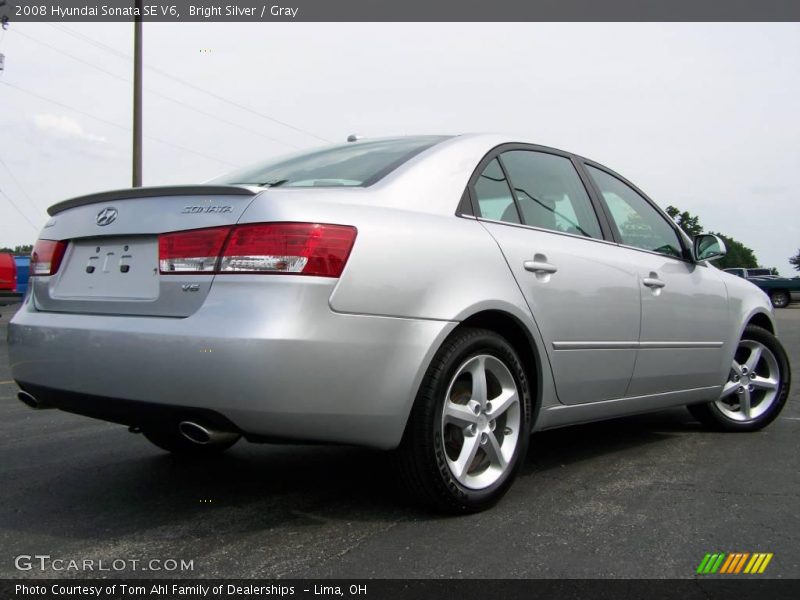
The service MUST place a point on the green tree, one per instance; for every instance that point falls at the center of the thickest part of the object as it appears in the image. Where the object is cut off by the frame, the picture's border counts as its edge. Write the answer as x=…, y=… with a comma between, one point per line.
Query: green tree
x=18, y=250
x=795, y=261
x=689, y=223
x=738, y=254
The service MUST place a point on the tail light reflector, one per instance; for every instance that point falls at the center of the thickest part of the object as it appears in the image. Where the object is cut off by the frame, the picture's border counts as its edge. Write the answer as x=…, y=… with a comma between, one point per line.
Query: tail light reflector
x=194, y=251
x=46, y=257
x=262, y=248
x=289, y=248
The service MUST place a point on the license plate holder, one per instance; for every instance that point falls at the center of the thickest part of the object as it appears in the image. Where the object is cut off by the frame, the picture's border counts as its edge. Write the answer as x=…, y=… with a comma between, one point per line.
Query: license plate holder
x=113, y=267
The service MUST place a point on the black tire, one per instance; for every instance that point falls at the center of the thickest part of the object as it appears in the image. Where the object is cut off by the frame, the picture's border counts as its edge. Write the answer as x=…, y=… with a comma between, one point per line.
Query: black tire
x=780, y=299
x=171, y=440
x=709, y=413
x=421, y=456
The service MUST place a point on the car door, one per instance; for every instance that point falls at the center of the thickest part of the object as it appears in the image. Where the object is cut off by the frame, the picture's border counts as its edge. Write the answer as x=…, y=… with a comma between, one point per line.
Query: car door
x=684, y=304
x=584, y=300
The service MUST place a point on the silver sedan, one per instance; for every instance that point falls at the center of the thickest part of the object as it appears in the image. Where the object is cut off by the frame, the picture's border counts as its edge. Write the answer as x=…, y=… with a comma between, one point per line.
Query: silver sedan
x=441, y=297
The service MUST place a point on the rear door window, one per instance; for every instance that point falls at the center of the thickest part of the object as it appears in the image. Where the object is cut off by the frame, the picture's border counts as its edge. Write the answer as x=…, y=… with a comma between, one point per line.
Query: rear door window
x=550, y=193
x=495, y=200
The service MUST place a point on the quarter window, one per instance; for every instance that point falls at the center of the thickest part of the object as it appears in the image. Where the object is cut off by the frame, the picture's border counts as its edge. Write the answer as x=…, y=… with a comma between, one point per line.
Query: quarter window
x=639, y=224
x=550, y=193
x=495, y=200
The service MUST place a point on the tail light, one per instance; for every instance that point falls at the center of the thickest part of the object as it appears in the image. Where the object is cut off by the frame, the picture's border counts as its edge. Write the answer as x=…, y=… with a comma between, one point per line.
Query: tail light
x=300, y=248
x=195, y=251
x=263, y=248
x=46, y=257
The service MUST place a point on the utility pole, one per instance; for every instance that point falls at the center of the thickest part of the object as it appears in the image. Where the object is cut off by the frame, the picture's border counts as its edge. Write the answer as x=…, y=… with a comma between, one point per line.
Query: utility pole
x=4, y=16
x=137, y=97
x=3, y=27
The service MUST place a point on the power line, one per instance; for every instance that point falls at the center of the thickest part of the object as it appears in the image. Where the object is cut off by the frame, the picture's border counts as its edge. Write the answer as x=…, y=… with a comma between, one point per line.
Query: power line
x=241, y=106
x=117, y=125
x=103, y=46
x=17, y=208
x=155, y=93
x=91, y=41
x=57, y=103
x=18, y=184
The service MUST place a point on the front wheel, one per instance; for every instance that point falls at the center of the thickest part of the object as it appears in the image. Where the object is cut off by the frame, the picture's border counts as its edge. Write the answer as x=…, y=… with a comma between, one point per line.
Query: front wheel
x=779, y=299
x=756, y=389
x=468, y=430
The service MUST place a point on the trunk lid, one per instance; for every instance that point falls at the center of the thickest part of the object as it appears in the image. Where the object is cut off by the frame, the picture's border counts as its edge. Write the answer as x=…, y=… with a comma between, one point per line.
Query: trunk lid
x=111, y=263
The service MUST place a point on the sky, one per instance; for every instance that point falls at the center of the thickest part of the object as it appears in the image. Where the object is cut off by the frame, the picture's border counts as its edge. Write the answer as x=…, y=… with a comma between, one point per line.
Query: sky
x=701, y=116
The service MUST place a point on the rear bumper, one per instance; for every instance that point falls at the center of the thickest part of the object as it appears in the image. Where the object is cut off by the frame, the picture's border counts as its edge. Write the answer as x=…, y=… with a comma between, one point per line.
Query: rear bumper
x=266, y=354
x=124, y=412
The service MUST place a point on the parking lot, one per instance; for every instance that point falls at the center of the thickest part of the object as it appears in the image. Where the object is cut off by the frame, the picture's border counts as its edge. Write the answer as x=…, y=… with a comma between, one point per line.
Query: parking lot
x=638, y=497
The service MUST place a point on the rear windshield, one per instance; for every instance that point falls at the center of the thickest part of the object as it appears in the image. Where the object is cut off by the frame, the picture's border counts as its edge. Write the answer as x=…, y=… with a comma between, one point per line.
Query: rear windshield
x=351, y=165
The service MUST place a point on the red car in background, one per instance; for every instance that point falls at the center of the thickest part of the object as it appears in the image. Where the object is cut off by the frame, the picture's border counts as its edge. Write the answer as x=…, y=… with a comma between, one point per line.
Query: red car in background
x=8, y=274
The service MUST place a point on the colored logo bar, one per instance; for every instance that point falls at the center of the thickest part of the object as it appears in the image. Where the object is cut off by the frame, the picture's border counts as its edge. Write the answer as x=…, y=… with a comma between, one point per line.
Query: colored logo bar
x=734, y=563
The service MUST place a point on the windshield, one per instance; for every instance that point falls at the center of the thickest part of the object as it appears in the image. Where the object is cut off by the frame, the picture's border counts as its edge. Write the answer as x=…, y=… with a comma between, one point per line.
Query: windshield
x=351, y=165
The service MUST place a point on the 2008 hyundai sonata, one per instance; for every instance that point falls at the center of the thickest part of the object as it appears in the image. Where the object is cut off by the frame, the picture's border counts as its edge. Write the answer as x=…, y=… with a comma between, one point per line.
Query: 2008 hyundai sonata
x=441, y=296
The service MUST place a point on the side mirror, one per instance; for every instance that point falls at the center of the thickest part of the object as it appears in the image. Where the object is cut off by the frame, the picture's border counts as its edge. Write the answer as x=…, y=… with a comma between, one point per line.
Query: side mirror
x=708, y=247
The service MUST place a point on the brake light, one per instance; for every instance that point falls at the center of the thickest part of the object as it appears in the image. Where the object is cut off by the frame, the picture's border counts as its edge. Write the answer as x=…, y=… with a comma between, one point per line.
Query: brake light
x=194, y=251
x=46, y=257
x=298, y=248
x=262, y=248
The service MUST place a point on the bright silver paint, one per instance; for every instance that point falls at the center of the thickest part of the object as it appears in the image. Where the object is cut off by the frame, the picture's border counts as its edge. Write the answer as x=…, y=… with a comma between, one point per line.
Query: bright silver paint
x=615, y=330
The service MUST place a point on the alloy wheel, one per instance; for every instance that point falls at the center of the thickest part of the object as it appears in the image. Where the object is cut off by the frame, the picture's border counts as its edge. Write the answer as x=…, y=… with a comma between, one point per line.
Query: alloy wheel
x=753, y=383
x=480, y=424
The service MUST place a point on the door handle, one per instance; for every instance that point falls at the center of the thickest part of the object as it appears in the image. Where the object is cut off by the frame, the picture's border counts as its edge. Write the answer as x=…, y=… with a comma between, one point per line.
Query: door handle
x=538, y=266
x=653, y=282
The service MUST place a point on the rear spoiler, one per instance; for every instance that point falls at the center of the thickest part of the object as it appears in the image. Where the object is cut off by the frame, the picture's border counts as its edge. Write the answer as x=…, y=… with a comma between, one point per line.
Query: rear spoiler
x=150, y=192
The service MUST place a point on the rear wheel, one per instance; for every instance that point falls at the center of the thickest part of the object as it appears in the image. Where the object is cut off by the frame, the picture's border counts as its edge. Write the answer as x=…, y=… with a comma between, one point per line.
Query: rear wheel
x=469, y=428
x=780, y=299
x=171, y=440
x=756, y=389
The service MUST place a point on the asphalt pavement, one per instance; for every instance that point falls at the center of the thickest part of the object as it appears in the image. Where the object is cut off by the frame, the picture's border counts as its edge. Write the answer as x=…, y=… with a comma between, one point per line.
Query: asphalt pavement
x=641, y=497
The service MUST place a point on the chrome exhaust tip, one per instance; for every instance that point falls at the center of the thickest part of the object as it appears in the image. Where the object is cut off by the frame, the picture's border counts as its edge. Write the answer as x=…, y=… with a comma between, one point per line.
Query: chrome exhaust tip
x=200, y=434
x=30, y=401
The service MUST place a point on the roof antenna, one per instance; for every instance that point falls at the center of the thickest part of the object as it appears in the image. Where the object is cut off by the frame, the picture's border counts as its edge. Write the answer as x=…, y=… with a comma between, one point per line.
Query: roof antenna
x=354, y=137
